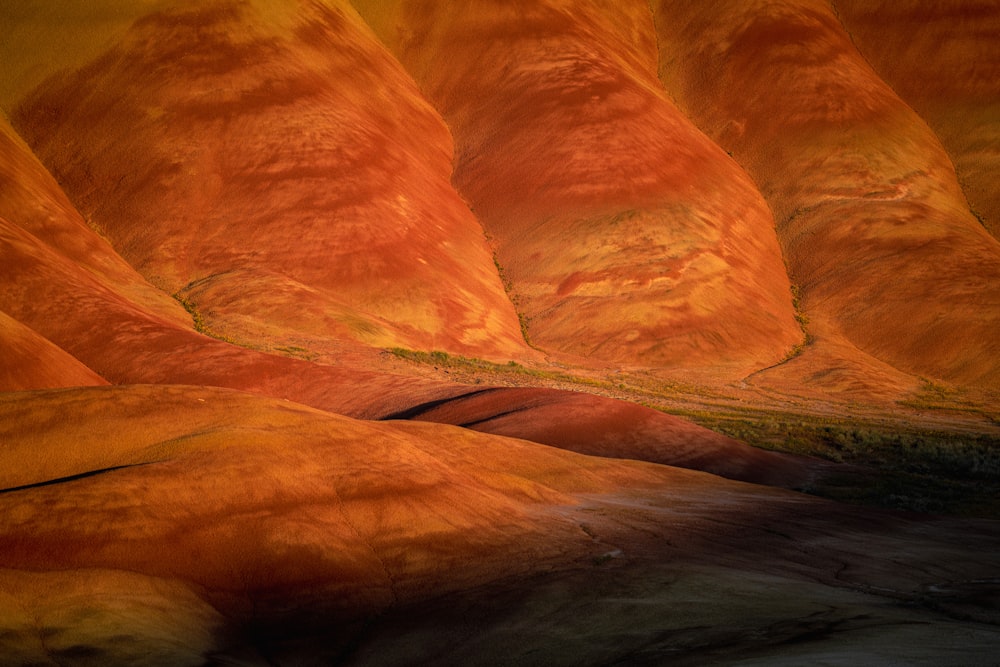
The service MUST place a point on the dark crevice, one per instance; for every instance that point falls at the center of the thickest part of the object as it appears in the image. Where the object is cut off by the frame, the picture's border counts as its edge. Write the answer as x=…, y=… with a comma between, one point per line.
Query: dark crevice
x=72, y=478
x=498, y=415
x=417, y=410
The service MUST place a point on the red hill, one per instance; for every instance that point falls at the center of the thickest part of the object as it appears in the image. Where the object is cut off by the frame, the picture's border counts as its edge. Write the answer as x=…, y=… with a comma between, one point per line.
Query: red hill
x=347, y=332
x=627, y=235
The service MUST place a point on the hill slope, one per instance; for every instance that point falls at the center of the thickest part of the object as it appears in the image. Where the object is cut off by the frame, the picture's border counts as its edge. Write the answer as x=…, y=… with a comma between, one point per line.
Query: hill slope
x=178, y=525
x=307, y=197
x=626, y=234
x=943, y=62
x=221, y=152
x=291, y=295
x=875, y=228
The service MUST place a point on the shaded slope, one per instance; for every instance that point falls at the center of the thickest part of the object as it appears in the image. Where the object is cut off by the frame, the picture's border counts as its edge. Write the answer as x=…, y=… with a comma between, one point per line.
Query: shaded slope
x=276, y=513
x=875, y=228
x=189, y=525
x=239, y=148
x=626, y=234
x=943, y=61
x=32, y=200
x=29, y=361
x=600, y=426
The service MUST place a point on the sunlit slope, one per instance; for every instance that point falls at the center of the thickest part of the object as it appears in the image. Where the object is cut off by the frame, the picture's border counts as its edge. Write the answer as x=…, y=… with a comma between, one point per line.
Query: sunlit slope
x=44, y=240
x=277, y=167
x=943, y=60
x=261, y=162
x=61, y=283
x=876, y=231
x=27, y=359
x=126, y=343
x=65, y=298
x=625, y=233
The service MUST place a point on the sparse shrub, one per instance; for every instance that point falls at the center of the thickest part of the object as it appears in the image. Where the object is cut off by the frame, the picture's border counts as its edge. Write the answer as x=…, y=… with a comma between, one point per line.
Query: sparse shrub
x=199, y=322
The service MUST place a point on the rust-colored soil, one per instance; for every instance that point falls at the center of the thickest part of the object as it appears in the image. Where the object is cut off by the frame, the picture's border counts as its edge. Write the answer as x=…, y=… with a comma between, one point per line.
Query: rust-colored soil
x=942, y=60
x=604, y=427
x=876, y=230
x=223, y=155
x=186, y=524
x=28, y=361
x=626, y=234
x=292, y=295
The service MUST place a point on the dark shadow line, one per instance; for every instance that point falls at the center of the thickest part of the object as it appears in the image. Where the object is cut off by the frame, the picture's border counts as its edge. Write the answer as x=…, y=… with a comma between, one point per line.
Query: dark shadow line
x=479, y=422
x=71, y=478
x=417, y=410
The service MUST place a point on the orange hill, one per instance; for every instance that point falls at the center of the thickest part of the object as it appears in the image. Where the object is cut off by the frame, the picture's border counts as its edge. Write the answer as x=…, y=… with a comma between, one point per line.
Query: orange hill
x=302, y=198
x=214, y=220
x=261, y=164
x=603, y=427
x=627, y=235
x=64, y=284
x=943, y=61
x=876, y=231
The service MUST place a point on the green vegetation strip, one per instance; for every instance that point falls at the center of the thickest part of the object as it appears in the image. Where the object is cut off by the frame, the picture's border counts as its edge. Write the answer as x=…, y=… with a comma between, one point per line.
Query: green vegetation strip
x=473, y=365
x=888, y=464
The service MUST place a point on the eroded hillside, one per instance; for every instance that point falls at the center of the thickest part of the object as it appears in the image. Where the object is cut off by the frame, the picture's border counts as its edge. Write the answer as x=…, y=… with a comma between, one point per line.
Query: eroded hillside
x=309, y=177
x=343, y=332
